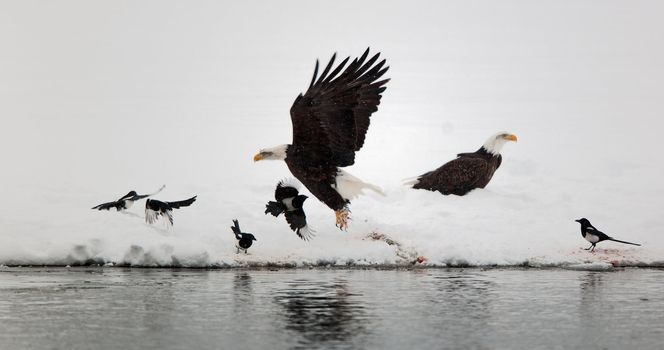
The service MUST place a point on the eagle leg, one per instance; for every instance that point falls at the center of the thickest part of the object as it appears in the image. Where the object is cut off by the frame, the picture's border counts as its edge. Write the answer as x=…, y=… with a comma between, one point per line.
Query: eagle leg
x=343, y=215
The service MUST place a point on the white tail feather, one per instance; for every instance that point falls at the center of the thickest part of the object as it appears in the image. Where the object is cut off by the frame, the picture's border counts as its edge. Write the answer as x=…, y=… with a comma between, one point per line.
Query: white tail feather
x=411, y=181
x=350, y=187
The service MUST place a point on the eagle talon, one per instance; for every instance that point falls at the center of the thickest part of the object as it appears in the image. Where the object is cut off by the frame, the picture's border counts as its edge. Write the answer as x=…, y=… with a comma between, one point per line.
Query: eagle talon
x=343, y=216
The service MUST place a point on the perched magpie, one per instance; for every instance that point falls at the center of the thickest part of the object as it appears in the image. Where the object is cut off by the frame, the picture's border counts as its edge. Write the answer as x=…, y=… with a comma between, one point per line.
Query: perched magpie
x=244, y=239
x=154, y=209
x=290, y=202
x=126, y=201
x=594, y=236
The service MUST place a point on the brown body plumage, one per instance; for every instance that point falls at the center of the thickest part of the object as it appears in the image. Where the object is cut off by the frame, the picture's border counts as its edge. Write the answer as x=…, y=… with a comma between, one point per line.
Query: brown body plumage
x=459, y=176
x=468, y=171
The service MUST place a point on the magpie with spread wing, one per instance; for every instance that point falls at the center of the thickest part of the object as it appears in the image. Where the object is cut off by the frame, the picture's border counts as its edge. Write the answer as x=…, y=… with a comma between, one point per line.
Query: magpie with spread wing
x=126, y=201
x=290, y=202
x=154, y=209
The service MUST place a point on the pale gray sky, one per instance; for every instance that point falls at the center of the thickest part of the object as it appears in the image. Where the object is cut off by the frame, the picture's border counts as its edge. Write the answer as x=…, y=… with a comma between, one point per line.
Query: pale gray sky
x=109, y=94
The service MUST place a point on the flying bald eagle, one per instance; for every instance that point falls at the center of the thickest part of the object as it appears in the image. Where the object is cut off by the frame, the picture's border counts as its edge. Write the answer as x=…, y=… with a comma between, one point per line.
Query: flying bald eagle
x=468, y=171
x=330, y=122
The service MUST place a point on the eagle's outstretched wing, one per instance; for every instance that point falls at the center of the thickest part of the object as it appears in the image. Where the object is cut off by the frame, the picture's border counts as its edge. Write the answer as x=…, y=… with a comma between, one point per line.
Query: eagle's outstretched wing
x=331, y=119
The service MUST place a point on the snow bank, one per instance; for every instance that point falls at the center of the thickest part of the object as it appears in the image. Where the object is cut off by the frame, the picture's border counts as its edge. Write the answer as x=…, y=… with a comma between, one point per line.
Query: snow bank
x=188, y=97
x=502, y=225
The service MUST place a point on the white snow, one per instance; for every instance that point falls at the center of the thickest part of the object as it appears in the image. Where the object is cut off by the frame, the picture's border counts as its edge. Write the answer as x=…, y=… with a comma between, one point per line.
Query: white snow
x=97, y=100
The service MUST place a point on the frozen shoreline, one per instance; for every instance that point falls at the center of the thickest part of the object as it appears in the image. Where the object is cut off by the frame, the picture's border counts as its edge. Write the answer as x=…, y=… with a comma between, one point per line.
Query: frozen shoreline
x=578, y=84
x=324, y=265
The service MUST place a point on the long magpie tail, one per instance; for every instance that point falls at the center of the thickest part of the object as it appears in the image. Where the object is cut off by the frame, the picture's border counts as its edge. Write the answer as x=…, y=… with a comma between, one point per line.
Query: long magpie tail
x=236, y=229
x=619, y=241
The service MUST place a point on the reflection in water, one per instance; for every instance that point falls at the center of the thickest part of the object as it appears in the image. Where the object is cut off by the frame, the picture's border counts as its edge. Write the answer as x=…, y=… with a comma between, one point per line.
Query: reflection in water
x=596, y=311
x=468, y=291
x=156, y=307
x=591, y=284
x=591, y=288
x=242, y=288
x=460, y=302
x=321, y=311
x=244, y=309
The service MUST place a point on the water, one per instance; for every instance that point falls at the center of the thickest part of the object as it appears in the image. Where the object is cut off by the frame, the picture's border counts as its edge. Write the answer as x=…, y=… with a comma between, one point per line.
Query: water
x=84, y=308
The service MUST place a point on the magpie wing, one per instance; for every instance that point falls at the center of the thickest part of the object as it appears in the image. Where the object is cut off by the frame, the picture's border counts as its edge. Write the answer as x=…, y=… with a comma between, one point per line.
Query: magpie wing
x=184, y=203
x=298, y=223
x=105, y=206
x=284, y=191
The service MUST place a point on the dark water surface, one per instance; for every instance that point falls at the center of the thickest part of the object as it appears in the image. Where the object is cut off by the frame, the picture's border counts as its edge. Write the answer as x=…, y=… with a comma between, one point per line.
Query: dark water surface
x=115, y=308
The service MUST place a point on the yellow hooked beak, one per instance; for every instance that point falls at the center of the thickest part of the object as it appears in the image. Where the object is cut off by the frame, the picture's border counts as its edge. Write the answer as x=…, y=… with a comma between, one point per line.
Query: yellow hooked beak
x=510, y=137
x=258, y=157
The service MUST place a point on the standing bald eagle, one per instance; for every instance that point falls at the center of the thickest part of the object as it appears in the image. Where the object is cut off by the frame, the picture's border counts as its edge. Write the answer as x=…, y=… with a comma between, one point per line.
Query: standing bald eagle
x=468, y=172
x=330, y=122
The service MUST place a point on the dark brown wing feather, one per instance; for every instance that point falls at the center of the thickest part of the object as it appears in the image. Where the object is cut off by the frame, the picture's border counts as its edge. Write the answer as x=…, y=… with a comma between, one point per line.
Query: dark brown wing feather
x=331, y=119
x=458, y=176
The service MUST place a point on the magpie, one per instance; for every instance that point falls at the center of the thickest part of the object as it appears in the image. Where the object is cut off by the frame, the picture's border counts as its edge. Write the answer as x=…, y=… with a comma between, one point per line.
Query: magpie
x=126, y=201
x=289, y=201
x=154, y=209
x=594, y=236
x=244, y=239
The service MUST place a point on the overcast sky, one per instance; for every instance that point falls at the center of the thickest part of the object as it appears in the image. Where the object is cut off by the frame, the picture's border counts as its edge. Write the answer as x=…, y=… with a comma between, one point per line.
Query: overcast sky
x=109, y=95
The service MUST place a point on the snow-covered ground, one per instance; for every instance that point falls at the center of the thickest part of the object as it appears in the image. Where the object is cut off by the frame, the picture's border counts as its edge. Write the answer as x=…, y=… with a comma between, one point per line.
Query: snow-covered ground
x=97, y=99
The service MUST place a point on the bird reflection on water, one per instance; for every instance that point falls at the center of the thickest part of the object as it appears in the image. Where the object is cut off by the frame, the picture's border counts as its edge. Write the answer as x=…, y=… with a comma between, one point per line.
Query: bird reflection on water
x=467, y=291
x=242, y=289
x=321, y=312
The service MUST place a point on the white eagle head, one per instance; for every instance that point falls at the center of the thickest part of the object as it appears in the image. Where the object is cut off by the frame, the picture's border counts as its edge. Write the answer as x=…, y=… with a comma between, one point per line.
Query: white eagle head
x=496, y=142
x=274, y=153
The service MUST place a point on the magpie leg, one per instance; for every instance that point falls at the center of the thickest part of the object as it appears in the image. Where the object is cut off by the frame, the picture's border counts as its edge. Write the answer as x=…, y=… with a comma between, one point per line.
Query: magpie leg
x=593, y=250
x=591, y=245
x=238, y=250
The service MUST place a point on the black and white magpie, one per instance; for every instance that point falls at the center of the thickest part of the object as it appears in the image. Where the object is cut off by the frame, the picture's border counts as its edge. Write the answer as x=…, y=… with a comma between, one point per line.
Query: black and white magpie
x=126, y=201
x=289, y=201
x=244, y=239
x=594, y=236
x=154, y=209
